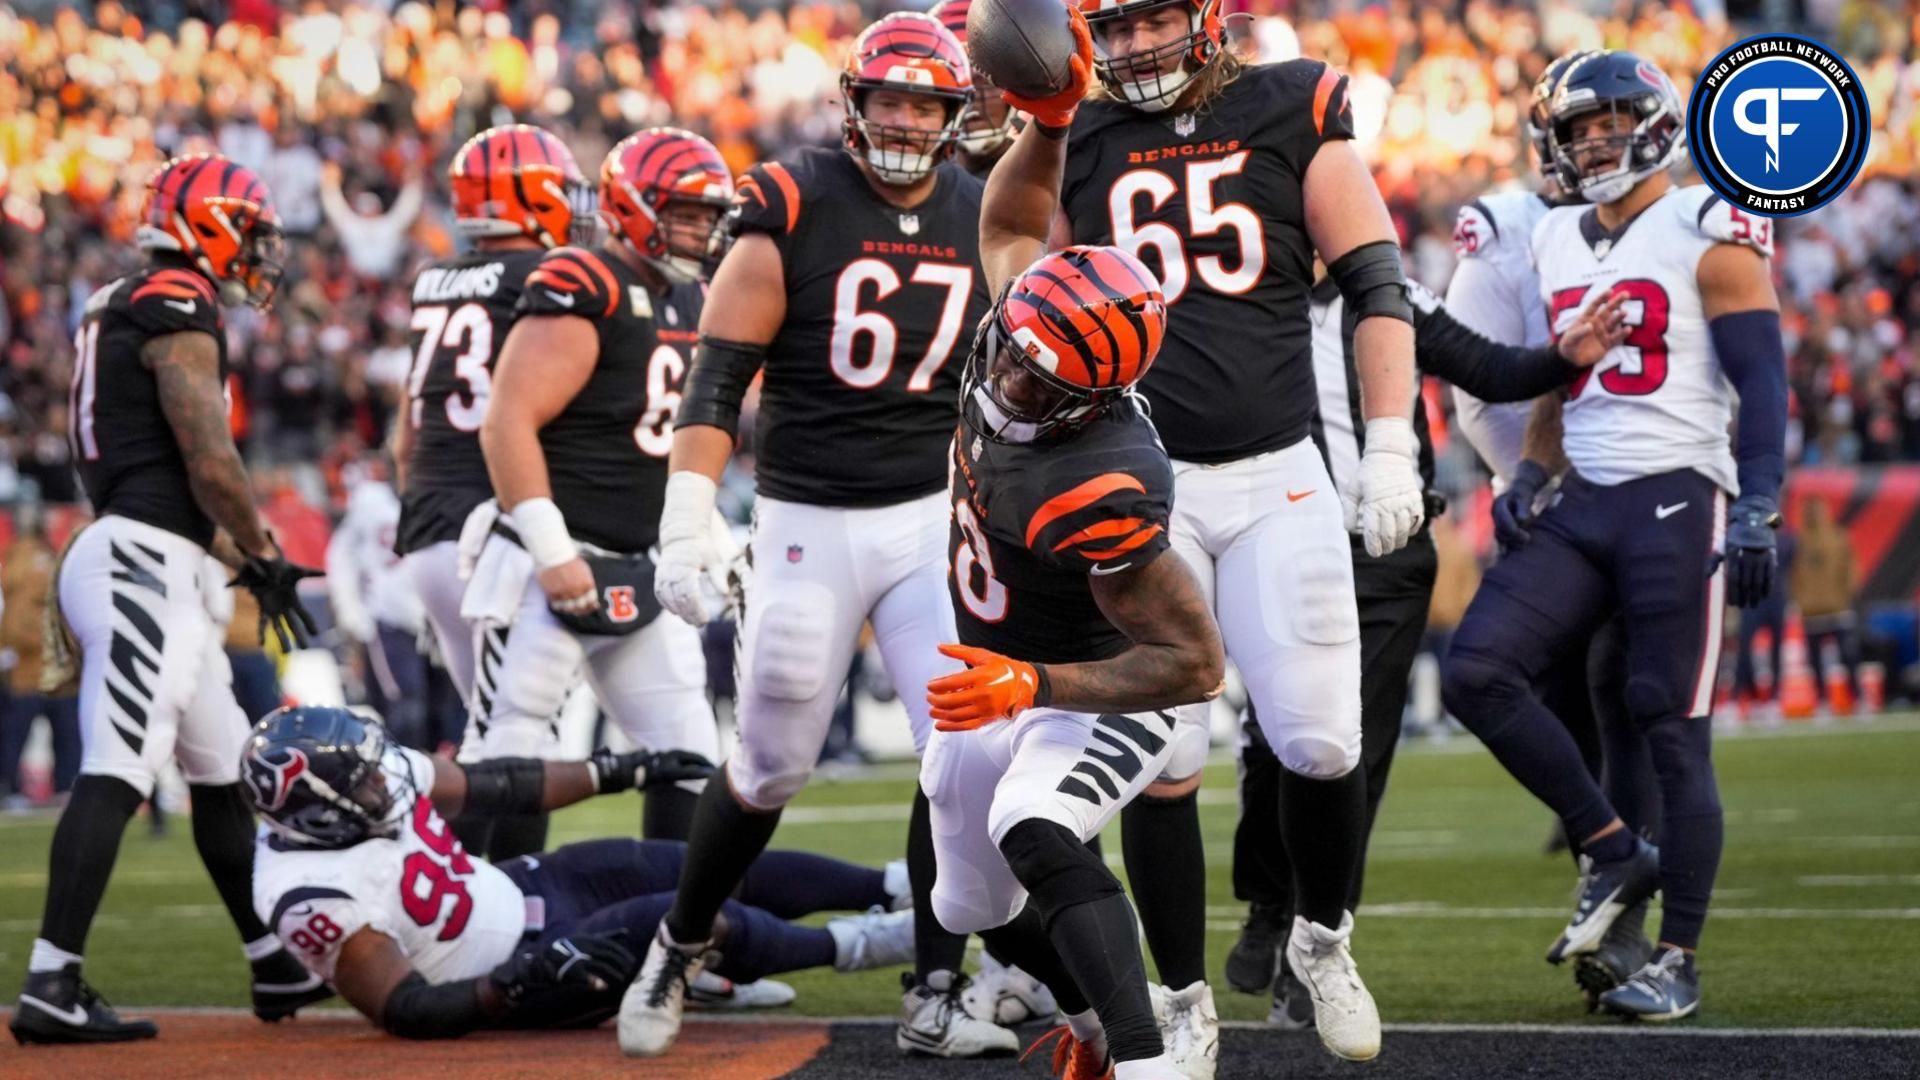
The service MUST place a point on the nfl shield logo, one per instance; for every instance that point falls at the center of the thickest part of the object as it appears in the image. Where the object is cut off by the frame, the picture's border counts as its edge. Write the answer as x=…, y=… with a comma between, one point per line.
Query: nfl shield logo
x=1183, y=124
x=910, y=223
x=795, y=553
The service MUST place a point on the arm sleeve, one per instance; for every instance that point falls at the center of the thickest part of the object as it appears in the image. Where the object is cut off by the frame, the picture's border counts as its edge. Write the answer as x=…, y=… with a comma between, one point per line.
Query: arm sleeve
x=1754, y=358
x=1479, y=365
x=570, y=281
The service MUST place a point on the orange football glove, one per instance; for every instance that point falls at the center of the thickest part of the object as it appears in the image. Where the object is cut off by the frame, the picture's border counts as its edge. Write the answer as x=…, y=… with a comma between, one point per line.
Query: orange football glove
x=993, y=687
x=1056, y=110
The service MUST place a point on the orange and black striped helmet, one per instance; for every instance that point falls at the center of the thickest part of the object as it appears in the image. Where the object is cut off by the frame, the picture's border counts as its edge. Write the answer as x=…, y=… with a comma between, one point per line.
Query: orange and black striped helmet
x=980, y=134
x=654, y=171
x=1075, y=331
x=220, y=215
x=518, y=180
x=912, y=53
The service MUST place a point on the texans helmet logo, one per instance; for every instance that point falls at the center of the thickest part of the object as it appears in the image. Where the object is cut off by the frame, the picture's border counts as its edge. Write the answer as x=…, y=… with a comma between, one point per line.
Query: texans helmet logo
x=272, y=776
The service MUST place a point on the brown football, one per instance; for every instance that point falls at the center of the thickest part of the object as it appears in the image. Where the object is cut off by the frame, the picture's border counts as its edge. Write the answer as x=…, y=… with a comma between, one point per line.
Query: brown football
x=1025, y=46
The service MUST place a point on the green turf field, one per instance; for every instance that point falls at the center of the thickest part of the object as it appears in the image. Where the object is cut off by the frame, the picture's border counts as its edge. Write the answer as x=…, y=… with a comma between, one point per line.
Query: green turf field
x=1817, y=919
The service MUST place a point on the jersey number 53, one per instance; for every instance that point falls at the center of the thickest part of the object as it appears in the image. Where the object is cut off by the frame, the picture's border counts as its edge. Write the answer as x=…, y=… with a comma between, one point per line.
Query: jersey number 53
x=1643, y=368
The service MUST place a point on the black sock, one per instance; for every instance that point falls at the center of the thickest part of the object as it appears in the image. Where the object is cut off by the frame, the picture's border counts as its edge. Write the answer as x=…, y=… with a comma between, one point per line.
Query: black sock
x=934, y=948
x=1323, y=822
x=1167, y=869
x=80, y=860
x=517, y=834
x=667, y=812
x=223, y=832
x=1694, y=829
x=795, y=884
x=474, y=830
x=726, y=838
x=1023, y=943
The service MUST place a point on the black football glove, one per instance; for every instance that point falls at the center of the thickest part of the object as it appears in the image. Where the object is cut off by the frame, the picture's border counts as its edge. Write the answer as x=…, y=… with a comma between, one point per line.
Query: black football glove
x=1752, y=550
x=1513, y=508
x=641, y=768
x=274, y=584
x=566, y=972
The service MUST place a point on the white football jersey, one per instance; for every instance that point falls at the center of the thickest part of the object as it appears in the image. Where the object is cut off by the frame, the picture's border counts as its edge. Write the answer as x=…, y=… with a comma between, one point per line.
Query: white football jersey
x=453, y=915
x=1659, y=401
x=1494, y=291
x=363, y=573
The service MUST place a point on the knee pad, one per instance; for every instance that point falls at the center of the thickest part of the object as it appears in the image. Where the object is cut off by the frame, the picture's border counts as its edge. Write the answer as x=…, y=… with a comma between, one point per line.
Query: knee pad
x=961, y=912
x=1477, y=689
x=1055, y=867
x=764, y=778
x=1318, y=756
x=1652, y=700
x=790, y=646
x=1190, y=744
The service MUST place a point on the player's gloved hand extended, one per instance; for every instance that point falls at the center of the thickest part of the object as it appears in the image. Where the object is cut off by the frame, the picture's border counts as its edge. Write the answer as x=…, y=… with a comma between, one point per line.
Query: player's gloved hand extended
x=1513, y=508
x=274, y=584
x=1056, y=110
x=555, y=974
x=1752, y=555
x=1386, y=501
x=614, y=773
x=689, y=551
x=993, y=687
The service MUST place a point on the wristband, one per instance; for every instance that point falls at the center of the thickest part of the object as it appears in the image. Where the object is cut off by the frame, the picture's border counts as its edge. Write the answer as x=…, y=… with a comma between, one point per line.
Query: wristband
x=1042, y=687
x=688, y=508
x=543, y=532
x=1051, y=131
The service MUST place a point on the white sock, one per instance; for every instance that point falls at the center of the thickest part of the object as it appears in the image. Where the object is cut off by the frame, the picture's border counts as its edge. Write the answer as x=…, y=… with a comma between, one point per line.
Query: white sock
x=261, y=948
x=1153, y=1068
x=48, y=958
x=1086, y=1027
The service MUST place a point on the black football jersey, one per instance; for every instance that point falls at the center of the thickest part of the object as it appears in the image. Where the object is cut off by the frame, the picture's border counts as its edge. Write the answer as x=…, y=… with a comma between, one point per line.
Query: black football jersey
x=607, y=450
x=462, y=309
x=1212, y=202
x=858, y=396
x=1032, y=523
x=130, y=462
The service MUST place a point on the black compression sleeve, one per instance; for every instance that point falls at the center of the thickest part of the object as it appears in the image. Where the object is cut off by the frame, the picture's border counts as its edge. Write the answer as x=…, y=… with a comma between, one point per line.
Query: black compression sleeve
x=506, y=786
x=418, y=1009
x=1487, y=369
x=1373, y=282
x=722, y=370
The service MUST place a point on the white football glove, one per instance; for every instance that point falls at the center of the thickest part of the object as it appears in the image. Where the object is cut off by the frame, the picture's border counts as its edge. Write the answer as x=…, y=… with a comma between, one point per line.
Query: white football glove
x=1385, y=500
x=688, y=554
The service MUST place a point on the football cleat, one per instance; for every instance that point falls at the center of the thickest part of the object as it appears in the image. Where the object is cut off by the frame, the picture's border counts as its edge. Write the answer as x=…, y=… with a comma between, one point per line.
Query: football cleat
x=711, y=991
x=1072, y=1059
x=1189, y=1028
x=1251, y=962
x=1008, y=996
x=1606, y=891
x=651, y=1008
x=934, y=1021
x=875, y=940
x=1343, y=1010
x=283, y=986
x=59, y=1007
x=1623, y=951
x=1292, y=1005
x=1666, y=988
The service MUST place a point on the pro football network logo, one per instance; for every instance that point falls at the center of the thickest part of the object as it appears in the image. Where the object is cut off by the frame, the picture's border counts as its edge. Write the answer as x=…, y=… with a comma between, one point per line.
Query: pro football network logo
x=1778, y=125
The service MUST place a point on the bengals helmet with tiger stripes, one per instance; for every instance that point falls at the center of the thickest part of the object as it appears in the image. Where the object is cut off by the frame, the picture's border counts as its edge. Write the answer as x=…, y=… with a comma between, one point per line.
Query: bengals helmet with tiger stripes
x=980, y=134
x=1073, y=333
x=518, y=180
x=649, y=181
x=219, y=215
x=1151, y=80
x=912, y=53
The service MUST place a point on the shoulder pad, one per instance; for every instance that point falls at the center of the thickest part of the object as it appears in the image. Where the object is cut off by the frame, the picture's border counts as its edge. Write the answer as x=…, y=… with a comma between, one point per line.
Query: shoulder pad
x=1718, y=220
x=571, y=281
x=1309, y=88
x=313, y=922
x=767, y=199
x=1093, y=522
x=171, y=300
x=1494, y=220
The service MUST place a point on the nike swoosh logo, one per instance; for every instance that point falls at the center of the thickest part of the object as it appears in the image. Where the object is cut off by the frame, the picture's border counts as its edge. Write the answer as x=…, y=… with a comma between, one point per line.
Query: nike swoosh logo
x=1665, y=512
x=1296, y=496
x=184, y=307
x=532, y=863
x=72, y=1014
x=1103, y=571
x=563, y=299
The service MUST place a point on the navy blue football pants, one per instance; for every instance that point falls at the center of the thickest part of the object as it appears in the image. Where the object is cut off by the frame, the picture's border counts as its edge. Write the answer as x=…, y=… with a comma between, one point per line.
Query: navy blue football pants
x=1646, y=548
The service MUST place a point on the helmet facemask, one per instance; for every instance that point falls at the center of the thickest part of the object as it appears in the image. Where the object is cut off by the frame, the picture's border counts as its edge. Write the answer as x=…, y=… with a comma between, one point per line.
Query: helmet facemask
x=901, y=154
x=1008, y=396
x=370, y=802
x=1645, y=139
x=1152, y=80
x=979, y=135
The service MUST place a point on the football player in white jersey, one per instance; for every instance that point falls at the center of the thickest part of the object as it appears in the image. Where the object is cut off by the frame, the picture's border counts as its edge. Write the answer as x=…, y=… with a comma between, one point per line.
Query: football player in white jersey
x=360, y=876
x=1642, y=519
x=1496, y=290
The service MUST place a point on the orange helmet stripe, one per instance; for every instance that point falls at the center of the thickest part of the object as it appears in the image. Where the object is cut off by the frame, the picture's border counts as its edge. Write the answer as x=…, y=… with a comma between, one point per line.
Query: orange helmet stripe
x=1068, y=501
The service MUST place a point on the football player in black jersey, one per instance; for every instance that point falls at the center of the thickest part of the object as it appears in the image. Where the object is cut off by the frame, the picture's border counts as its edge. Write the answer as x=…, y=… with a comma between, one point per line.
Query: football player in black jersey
x=851, y=288
x=576, y=440
x=150, y=437
x=988, y=123
x=1226, y=180
x=517, y=193
x=1080, y=628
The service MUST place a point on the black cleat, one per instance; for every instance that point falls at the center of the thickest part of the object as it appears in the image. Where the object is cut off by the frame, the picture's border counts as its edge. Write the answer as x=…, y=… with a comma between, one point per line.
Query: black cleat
x=283, y=986
x=1607, y=890
x=1623, y=951
x=1250, y=964
x=1292, y=1005
x=59, y=1007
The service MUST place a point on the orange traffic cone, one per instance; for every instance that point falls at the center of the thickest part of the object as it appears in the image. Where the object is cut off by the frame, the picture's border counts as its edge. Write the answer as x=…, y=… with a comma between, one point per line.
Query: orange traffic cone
x=1873, y=687
x=1798, y=695
x=1839, y=687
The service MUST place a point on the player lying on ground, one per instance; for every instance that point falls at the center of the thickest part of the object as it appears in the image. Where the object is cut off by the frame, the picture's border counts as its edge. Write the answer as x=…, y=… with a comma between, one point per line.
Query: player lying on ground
x=361, y=877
